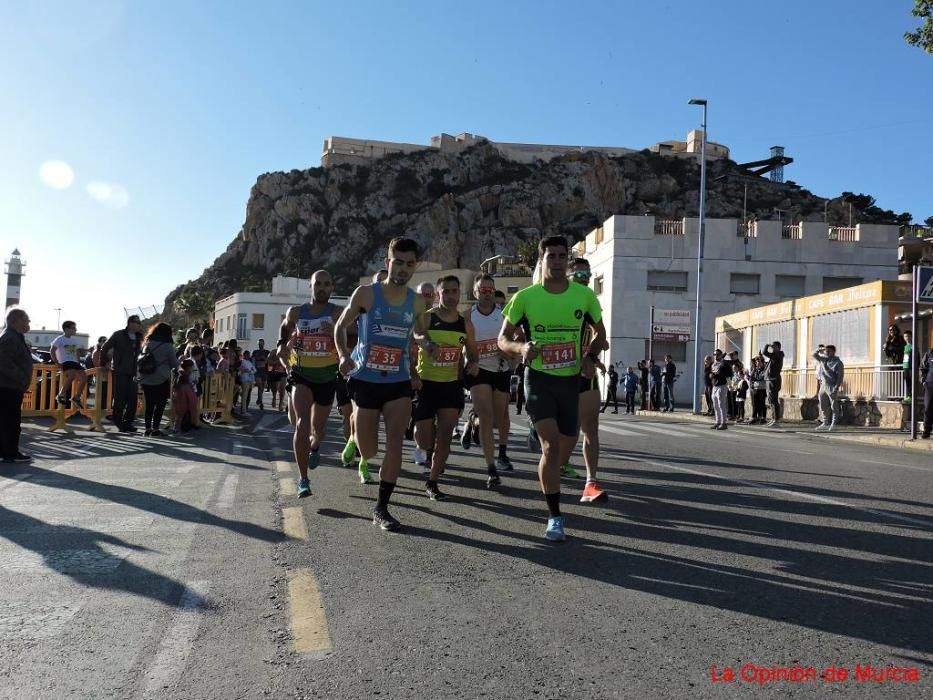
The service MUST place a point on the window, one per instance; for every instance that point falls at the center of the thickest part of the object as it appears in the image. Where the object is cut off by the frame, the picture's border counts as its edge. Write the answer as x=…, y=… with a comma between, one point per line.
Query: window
x=599, y=235
x=241, y=327
x=259, y=322
x=789, y=286
x=598, y=285
x=667, y=281
x=511, y=289
x=847, y=330
x=660, y=348
x=784, y=332
x=742, y=283
x=831, y=284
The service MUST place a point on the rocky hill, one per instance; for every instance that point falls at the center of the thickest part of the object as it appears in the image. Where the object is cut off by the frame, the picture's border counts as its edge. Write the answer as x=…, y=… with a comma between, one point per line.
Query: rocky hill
x=466, y=207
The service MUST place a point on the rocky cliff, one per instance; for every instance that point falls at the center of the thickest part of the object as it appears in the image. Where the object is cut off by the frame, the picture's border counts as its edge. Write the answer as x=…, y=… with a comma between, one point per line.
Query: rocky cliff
x=469, y=206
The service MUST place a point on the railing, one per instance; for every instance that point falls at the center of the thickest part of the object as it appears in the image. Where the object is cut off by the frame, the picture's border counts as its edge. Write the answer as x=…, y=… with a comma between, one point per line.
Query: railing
x=885, y=383
x=791, y=232
x=747, y=230
x=668, y=228
x=216, y=401
x=843, y=233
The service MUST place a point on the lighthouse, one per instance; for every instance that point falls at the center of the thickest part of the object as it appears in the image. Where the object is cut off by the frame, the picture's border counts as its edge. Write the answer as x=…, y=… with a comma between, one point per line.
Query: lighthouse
x=14, y=276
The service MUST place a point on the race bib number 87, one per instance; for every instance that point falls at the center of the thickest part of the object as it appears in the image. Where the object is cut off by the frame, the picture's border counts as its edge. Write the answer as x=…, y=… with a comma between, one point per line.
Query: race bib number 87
x=384, y=358
x=447, y=356
x=559, y=356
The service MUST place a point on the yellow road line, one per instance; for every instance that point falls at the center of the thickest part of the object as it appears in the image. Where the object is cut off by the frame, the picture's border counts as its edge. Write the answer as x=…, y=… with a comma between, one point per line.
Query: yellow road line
x=287, y=487
x=283, y=466
x=293, y=523
x=308, y=619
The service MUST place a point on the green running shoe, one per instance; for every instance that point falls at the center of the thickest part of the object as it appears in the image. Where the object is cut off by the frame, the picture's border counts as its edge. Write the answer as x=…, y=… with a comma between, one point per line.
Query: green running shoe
x=569, y=472
x=349, y=452
x=314, y=459
x=365, y=477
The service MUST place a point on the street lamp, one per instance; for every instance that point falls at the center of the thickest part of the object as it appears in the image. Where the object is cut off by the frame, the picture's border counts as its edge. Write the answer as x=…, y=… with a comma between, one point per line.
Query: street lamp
x=697, y=337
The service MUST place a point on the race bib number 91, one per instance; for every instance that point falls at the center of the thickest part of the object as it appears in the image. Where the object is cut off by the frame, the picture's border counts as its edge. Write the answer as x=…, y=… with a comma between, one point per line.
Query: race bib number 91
x=384, y=358
x=559, y=356
x=316, y=345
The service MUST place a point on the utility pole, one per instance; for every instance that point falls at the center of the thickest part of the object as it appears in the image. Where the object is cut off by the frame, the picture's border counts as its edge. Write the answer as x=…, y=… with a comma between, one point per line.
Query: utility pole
x=698, y=327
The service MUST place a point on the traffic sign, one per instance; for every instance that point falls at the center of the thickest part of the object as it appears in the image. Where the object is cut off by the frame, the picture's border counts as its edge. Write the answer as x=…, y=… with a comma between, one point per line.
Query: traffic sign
x=925, y=285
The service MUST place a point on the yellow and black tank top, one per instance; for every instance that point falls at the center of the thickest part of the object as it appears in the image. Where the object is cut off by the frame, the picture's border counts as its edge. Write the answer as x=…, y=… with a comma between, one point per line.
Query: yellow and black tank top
x=449, y=336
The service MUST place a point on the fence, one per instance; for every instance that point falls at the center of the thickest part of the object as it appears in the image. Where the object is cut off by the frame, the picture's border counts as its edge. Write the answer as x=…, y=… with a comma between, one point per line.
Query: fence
x=216, y=400
x=883, y=383
x=791, y=232
x=668, y=228
x=843, y=233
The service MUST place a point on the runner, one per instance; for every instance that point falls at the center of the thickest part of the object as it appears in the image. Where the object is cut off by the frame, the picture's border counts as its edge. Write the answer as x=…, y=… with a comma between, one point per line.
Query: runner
x=426, y=290
x=381, y=376
x=554, y=315
x=260, y=357
x=490, y=387
x=589, y=404
x=449, y=337
x=307, y=335
x=64, y=350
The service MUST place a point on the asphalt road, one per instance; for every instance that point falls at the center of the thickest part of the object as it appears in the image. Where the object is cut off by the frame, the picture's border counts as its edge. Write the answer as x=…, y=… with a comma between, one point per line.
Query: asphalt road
x=158, y=568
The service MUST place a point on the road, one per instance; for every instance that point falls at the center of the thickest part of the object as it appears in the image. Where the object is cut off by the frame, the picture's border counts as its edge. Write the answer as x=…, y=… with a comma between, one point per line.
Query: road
x=137, y=568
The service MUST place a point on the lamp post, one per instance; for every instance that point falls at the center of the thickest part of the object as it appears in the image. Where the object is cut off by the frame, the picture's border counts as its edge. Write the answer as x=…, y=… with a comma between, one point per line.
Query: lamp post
x=697, y=334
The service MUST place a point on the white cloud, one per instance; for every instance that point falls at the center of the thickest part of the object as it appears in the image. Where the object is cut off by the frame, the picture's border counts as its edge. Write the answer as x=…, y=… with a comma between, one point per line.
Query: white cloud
x=109, y=194
x=57, y=174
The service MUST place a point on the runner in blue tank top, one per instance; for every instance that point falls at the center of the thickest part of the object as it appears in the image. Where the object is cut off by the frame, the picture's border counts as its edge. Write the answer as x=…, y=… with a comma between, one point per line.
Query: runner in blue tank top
x=381, y=376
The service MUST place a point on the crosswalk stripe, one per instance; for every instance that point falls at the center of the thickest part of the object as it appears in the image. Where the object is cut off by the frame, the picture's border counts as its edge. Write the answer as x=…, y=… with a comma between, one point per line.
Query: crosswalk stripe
x=310, y=634
x=178, y=641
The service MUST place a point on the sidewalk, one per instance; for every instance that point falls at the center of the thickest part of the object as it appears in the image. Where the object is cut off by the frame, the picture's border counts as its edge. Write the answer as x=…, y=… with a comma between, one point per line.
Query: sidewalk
x=886, y=437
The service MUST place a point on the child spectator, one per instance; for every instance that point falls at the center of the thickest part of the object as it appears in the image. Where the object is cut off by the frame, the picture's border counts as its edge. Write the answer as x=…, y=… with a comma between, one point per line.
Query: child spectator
x=741, y=392
x=184, y=400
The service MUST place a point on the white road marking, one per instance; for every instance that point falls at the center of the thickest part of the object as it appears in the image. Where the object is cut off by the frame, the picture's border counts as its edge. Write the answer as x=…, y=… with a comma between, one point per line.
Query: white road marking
x=695, y=433
x=177, y=642
x=228, y=491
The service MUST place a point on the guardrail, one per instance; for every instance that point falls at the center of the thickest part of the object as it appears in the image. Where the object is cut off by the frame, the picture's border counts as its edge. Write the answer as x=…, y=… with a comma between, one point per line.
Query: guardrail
x=843, y=233
x=216, y=400
x=791, y=232
x=884, y=383
x=668, y=228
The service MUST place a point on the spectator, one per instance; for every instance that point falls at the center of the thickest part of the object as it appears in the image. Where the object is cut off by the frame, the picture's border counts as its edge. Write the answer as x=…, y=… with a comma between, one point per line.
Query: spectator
x=260, y=359
x=96, y=360
x=247, y=378
x=741, y=393
x=654, y=385
x=643, y=383
x=64, y=351
x=276, y=380
x=15, y=379
x=669, y=376
x=721, y=373
x=499, y=297
x=124, y=346
x=157, y=384
x=907, y=364
x=611, y=391
x=379, y=276
x=831, y=372
x=756, y=381
x=708, y=384
x=630, y=384
x=191, y=338
x=773, y=368
x=184, y=401
x=926, y=378
x=893, y=347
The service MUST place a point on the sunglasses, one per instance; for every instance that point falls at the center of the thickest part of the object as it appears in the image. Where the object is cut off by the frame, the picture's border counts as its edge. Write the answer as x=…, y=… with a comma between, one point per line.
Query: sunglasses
x=582, y=275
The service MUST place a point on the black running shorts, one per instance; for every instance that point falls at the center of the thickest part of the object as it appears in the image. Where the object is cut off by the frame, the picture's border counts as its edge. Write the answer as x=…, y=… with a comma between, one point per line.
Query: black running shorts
x=375, y=395
x=499, y=381
x=343, y=392
x=434, y=396
x=548, y=396
x=323, y=392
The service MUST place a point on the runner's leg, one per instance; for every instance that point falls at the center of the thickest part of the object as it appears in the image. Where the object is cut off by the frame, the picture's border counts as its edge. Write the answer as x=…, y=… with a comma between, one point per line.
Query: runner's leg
x=589, y=426
x=302, y=403
x=483, y=407
x=446, y=419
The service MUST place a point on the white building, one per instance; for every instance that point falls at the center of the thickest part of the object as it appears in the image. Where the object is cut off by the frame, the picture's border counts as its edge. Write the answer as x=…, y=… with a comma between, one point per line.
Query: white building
x=639, y=262
x=251, y=316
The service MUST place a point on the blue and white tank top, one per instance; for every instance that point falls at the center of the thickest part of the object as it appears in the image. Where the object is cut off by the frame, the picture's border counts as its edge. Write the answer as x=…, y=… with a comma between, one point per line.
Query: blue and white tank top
x=382, y=349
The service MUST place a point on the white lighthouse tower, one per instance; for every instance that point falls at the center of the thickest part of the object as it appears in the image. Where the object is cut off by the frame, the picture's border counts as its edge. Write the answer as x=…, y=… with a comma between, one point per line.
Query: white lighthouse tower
x=14, y=275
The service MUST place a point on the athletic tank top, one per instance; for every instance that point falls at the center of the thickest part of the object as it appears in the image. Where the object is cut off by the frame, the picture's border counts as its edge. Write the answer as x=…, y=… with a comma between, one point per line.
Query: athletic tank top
x=486, y=328
x=314, y=355
x=382, y=349
x=449, y=336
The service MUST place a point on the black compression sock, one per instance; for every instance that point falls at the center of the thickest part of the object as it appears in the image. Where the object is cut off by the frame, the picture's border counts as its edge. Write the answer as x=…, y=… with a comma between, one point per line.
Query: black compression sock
x=553, y=503
x=385, y=493
x=431, y=483
x=492, y=470
x=502, y=449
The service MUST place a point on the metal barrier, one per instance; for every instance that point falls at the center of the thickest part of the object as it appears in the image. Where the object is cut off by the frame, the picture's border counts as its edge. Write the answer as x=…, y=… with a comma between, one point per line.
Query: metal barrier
x=39, y=401
x=668, y=228
x=791, y=232
x=884, y=383
x=843, y=233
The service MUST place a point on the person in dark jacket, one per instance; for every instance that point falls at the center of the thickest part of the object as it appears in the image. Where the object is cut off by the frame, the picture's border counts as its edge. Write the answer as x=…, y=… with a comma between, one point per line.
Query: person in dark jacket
x=926, y=384
x=611, y=390
x=669, y=376
x=157, y=385
x=708, y=384
x=721, y=373
x=654, y=385
x=124, y=347
x=893, y=347
x=773, y=368
x=643, y=383
x=15, y=378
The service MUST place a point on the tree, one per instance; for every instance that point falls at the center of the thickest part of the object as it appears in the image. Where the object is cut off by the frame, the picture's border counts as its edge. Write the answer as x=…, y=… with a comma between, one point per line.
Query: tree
x=928, y=221
x=194, y=305
x=923, y=36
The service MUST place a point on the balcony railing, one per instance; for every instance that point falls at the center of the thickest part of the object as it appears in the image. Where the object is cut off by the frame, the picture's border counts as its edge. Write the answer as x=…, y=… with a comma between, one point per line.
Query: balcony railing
x=668, y=228
x=884, y=383
x=791, y=232
x=843, y=233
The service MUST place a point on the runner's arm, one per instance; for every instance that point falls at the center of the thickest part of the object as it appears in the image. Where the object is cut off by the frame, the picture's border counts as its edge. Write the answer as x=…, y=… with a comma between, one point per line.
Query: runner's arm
x=525, y=350
x=470, y=351
x=360, y=300
x=285, y=333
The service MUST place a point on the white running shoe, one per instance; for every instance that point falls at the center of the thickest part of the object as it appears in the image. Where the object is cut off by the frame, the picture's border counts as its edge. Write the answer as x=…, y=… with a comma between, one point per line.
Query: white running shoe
x=421, y=457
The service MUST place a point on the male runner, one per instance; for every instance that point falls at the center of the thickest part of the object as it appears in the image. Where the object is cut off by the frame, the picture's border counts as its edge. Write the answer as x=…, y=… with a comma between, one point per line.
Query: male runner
x=426, y=290
x=554, y=315
x=449, y=337
x=381, y=378
x=307, y=336
x=490, y=387
x=64, y=351
x=589, y=404
x=260, y=357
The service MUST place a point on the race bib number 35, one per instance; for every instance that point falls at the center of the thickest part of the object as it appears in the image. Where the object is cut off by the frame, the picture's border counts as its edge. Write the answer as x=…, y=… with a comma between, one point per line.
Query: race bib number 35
x=384, y=358
x=559, y=356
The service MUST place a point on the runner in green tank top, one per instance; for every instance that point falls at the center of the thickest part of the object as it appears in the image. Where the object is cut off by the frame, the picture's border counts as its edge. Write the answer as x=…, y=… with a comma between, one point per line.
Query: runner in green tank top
x=553, y=315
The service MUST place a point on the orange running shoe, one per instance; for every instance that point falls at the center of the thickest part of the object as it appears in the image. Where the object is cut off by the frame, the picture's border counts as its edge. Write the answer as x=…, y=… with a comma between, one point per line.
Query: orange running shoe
x=592, y=493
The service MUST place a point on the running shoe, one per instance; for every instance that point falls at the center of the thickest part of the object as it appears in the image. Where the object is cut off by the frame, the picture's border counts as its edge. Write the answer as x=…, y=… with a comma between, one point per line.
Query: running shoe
x=434, y=493
x=314, y=459
x=421, y=457
x=569, y=472
x=382, y=518
x=493, y=478
x=304, y=488
x=363, y=471
x=504, y=463
x=555, y=529
x=349, y=452
x=592, y=493
x=466, y=439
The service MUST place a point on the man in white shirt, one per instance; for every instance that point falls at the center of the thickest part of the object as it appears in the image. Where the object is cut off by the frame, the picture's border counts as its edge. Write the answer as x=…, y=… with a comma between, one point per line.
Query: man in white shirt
x=64, y=351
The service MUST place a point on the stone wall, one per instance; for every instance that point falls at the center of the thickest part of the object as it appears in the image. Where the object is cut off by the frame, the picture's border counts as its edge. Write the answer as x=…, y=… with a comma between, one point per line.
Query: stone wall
x=875, y=414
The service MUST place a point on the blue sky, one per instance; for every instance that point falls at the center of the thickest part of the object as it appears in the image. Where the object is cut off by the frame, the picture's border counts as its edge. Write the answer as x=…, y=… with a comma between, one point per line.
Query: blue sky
x=167, y=112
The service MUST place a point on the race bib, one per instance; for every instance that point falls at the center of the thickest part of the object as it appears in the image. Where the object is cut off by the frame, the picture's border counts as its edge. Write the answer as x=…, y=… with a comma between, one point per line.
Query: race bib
x=316, y=345
x=488, y=349
x=384, y=358
x=447, y=357
x=559, y=356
